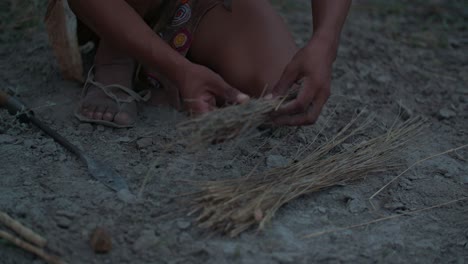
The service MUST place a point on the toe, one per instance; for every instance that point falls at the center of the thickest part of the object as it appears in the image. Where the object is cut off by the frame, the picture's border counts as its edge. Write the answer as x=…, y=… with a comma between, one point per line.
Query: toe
x=126, y=116
x=123, y=118
x=89, y=111
x=109, y=114
x=99, y=112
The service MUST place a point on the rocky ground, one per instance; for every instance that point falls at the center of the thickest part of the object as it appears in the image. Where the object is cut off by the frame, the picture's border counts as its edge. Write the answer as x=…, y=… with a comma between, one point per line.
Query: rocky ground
x=397, y=60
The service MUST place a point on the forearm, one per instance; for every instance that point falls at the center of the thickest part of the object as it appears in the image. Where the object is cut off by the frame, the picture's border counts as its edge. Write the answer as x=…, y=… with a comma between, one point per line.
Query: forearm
x=119, y=23
x=328, y=19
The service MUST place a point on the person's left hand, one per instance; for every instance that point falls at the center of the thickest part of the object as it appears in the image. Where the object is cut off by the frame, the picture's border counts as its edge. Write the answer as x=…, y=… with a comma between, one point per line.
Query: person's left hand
x=313, y=66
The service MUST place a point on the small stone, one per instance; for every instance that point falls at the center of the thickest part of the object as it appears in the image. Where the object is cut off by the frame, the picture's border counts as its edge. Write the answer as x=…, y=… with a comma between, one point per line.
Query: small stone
x=124, y=139
x=140, y=169
x=49, y=148
x=101, y=240
x=144, y=143
x=395, y=206
x=356, y=206
x=275, y=161
x=126, y=196
x=321, y=209
x=85, y=128
x=147, y=240
x=183, y=225
x=63, y=222
x=29, y=143
x=6, y=139
x=100, y=128
x=62, y=157
x=465, y=179
x=66, y=214
x=383, y=78
x=185, y=238
x=446, y=113
x=231, y=249
x=28, y=182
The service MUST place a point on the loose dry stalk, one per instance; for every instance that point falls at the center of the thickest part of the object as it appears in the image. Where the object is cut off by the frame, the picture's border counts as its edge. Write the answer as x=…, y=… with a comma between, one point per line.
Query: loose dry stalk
x=235, y=205
x=317, y=234
x=30, y=248
x=226, y=123
x=21, y=230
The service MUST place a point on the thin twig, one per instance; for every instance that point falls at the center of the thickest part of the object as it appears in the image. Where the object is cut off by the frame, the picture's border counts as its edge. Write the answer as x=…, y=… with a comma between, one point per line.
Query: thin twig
x=382, y=219
x=410, y=167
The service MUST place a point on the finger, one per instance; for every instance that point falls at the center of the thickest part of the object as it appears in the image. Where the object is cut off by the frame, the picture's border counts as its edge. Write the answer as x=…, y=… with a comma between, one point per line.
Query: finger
x=290, y=75
x=197, y=106
x=306, y=118
x=293, y=120
x=228, y=93
x=302, y=102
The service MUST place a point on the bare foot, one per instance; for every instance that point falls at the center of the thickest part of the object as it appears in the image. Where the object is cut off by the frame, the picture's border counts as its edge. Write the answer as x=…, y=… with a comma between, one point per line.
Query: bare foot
x=97, y=105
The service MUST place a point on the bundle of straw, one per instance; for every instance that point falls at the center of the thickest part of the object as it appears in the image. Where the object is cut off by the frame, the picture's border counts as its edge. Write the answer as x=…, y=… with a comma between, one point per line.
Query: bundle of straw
x=226, y=123
x=233, y=206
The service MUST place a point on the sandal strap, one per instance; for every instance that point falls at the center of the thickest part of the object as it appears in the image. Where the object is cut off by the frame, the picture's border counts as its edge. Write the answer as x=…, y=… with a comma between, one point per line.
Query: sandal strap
x=144, y=95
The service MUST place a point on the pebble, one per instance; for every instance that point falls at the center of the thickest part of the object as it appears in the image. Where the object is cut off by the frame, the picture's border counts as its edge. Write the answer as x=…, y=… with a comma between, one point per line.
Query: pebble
x=6, y=139
x=144, y=143
x=85, y=127
x=63, y=222
x=146, y=240
x=275, y=161
x=446, y=113
x=140, y=169
x=100, y=128
x=183, y=225
x=65, y=213
x=185, y=238
x=124, y=139
x=383, y=78
x=231, y=249
x=126, y=196
x=395, y=206
x=29, y=143
x=49, y=148
x=356, y=206
x=62, y=157
x=101, y=240
x=321, y=209
x=465, y=179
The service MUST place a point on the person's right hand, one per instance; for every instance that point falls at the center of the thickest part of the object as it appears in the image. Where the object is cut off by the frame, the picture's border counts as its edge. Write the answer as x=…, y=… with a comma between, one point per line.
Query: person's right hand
x=202, y=90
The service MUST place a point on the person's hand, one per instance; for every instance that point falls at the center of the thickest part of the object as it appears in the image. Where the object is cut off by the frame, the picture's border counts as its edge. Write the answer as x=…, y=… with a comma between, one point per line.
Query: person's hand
x=202, y=90
x=312, y=66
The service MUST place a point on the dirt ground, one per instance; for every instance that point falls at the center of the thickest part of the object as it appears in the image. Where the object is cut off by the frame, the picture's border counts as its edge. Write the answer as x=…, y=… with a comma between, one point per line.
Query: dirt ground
x=397, y=60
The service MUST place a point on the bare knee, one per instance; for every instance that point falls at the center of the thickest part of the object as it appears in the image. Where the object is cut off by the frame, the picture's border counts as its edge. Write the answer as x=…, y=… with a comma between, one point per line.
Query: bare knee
x=254, y=81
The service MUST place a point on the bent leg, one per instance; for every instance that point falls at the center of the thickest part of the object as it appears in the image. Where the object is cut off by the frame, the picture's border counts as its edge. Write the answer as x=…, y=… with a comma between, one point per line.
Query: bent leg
x=249, y=47
x=112, y=66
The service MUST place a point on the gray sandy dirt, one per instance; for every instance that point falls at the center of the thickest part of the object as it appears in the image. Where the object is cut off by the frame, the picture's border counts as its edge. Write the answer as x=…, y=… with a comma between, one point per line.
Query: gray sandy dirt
x=397, y=60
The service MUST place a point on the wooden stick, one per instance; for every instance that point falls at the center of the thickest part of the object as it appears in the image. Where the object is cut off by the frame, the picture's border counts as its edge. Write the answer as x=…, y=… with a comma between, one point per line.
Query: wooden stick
x=51, y=259
x=21, y=230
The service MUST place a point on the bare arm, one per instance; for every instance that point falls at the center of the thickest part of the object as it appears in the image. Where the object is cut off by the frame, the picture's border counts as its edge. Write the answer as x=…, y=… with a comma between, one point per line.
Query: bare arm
x=119, y=23
x=329, y=17
x=313, y=64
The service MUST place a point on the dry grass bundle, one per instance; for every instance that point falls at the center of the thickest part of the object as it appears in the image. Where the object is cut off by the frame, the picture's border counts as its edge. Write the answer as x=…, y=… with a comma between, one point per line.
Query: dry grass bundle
x=233, y=206
x=226, y=123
